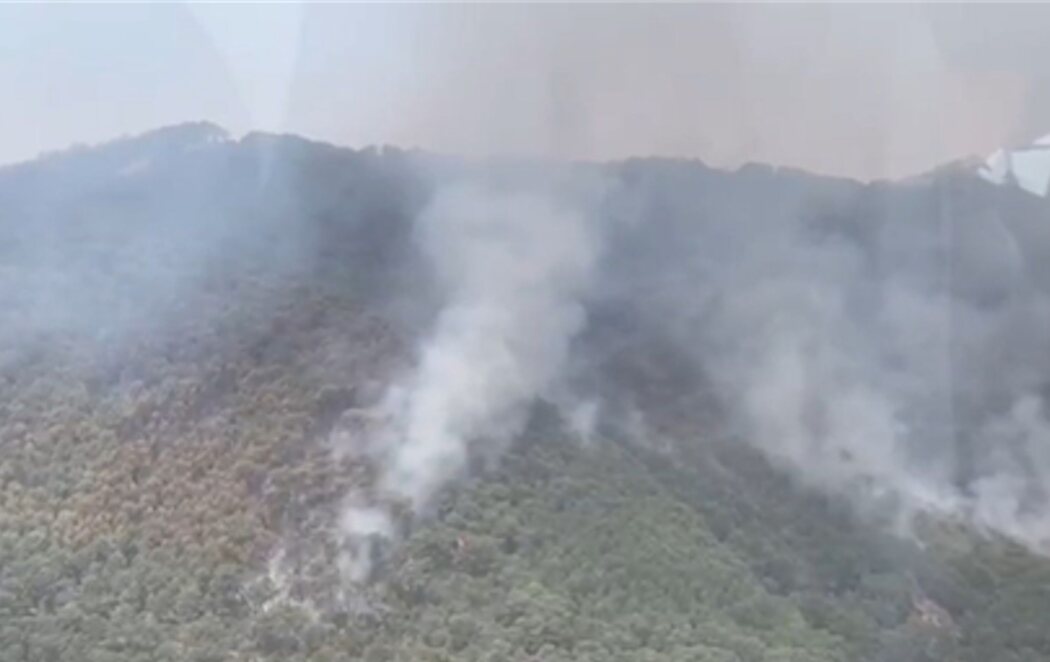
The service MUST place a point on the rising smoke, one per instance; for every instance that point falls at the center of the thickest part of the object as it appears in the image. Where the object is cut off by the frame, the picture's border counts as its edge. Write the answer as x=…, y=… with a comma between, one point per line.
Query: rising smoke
x=882, y=343
x=512, y=267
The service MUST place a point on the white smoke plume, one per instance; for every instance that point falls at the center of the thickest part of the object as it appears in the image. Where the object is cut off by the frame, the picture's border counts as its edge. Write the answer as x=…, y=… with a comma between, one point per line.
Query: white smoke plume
x=512, y=267
x=886, y=344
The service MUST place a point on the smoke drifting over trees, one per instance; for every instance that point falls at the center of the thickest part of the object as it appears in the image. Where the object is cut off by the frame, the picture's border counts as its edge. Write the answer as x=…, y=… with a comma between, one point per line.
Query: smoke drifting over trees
x=337, y=342
x=511, y=266
x=880, y=340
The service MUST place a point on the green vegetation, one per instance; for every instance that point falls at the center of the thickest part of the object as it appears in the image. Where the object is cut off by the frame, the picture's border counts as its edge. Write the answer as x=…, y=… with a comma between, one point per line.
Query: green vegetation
x=187, y=514
x=166, y=494
x=613, y=553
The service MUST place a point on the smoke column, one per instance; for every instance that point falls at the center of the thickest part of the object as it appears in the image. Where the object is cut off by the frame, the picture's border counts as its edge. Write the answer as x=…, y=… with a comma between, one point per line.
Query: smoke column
x=512, y=267
x=882, y=343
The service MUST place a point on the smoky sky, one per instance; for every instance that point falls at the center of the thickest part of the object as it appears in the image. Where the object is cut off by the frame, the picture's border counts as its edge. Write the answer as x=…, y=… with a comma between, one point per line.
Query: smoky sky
x=855, y=90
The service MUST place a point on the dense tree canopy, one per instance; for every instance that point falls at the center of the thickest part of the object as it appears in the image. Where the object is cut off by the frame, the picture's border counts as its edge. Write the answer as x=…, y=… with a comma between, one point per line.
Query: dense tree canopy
x=168, y=493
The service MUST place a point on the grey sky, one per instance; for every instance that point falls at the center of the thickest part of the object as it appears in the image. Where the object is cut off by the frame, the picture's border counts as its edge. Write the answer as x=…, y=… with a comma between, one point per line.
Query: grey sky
x=857, y=90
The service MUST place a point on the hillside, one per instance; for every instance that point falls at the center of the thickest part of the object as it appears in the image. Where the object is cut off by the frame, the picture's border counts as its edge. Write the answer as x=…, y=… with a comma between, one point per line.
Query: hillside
x=197, y=333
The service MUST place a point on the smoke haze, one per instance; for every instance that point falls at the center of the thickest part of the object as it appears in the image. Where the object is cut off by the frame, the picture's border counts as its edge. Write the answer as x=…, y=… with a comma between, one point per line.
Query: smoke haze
x=513, y=267
x=859, y=90
x=882, y=342
x=512, y=264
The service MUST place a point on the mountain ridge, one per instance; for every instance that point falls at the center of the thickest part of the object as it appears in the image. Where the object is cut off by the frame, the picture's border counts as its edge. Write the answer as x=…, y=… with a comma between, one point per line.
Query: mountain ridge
x=195, y=355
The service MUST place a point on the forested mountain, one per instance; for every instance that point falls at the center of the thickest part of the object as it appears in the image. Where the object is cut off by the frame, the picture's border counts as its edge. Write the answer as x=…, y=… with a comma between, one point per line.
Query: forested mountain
x=699, y=415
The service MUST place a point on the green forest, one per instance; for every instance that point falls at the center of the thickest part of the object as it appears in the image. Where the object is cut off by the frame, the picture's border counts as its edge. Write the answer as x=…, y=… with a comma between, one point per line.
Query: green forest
x=168, y=492
x=140, y=526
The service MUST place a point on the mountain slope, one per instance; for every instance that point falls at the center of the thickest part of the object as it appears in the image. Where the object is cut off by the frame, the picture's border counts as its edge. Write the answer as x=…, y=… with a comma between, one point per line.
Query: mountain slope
x=196, y=328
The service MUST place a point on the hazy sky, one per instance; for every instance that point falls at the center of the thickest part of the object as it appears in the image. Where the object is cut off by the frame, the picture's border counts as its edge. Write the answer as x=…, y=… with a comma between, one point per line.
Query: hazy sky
x=857, y=90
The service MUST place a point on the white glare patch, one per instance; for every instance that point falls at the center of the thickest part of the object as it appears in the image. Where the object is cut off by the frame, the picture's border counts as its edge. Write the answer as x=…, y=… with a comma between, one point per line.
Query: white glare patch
x=1028, y=168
